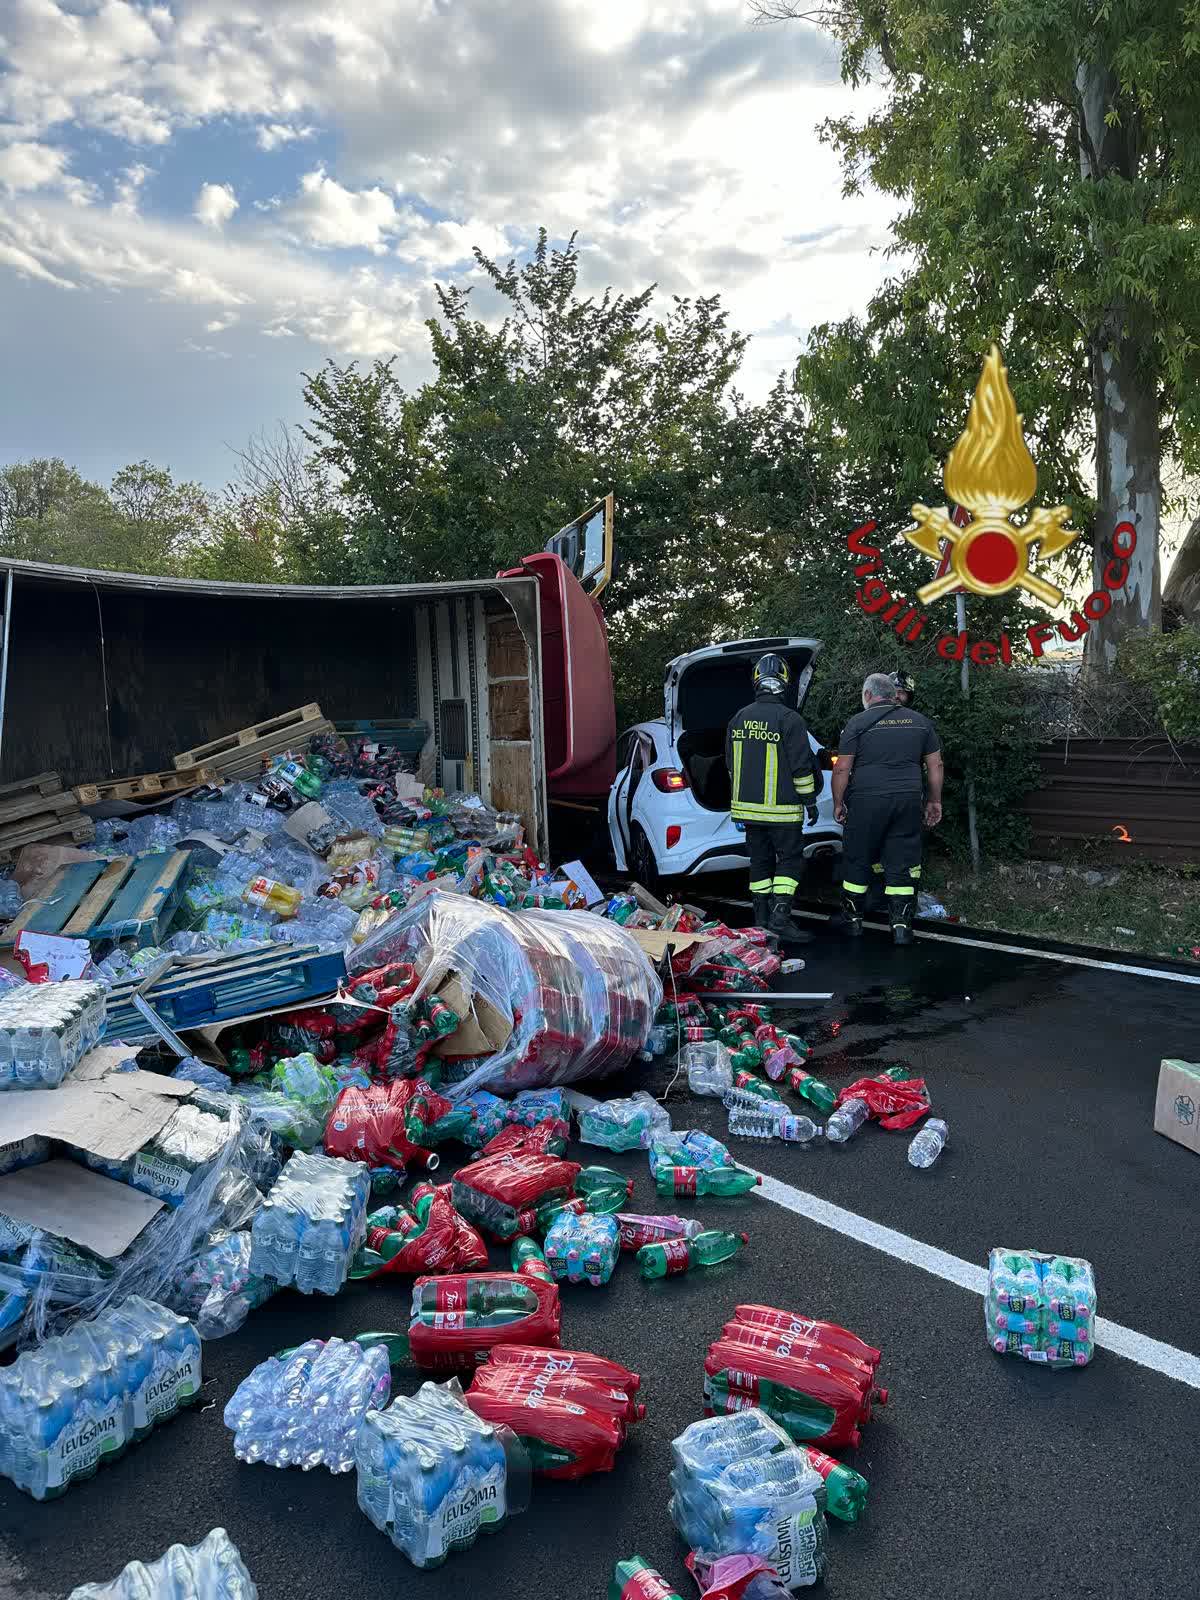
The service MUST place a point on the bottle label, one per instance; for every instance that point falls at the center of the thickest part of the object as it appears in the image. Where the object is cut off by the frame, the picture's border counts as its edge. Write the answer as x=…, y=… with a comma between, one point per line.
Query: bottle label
x=465, y=1510
x=13, y=1234
x=449, y=1321
x=84, y=1441
x=678, y=1255
x=685, y=1179
x=795, y=1555
x=646, y=1585
x=160, y=1177
x=172, y=1380
x=449, y=1297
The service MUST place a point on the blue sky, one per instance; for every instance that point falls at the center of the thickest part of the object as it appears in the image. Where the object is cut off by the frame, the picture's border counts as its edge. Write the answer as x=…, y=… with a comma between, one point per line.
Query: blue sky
x=201, y=200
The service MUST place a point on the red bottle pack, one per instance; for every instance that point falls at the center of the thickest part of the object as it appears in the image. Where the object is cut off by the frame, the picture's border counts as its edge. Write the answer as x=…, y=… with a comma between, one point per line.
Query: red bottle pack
x=447, y=1243
x=447, y=1334
x=792, y=1322
x=578, y=1363
x=494, y=1192
x=518, y=1384
x=369, y=1124
x=544, y=1138
x=572, y=1421
x=808, y=1349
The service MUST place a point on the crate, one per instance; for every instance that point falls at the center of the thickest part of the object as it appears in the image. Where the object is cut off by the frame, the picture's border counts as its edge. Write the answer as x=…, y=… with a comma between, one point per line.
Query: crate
x=241, y=754
x=195, y=994
x=151, y=787
x=130, y=897
x=406, y=734
x=40, y=808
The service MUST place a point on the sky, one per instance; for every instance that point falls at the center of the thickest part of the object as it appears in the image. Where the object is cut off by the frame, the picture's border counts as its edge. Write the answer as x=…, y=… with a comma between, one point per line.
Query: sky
x=202, y=200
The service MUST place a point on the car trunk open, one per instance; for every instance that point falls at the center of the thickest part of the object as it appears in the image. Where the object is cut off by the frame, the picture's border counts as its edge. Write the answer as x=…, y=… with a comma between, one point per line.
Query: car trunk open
x=705, y=689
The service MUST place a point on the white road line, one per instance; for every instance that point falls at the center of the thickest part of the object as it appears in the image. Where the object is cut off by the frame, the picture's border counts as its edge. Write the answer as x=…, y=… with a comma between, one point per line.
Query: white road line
x=1180, y=1365
x=1153, y=1353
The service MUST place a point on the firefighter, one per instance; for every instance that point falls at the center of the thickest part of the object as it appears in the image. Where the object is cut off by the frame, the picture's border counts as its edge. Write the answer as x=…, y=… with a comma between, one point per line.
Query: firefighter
x=877, y=796
x=775, y=783
x=906, y=692
x=906, y=687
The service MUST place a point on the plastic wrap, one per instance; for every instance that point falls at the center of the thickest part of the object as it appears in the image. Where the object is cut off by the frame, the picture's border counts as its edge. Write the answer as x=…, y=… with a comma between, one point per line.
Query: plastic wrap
x=372, y=1124
x=495, y=1191
x=216, y=1288
x=445, y=1242
x=45, y=1029
x=313, y=1221
x=576, y=991
x=456, y=1320
x=210, y=1570
x=304, y=1409
x=571, y=1422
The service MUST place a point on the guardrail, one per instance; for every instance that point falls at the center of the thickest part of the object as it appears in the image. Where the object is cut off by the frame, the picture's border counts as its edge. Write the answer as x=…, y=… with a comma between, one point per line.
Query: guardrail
x=1141, y=796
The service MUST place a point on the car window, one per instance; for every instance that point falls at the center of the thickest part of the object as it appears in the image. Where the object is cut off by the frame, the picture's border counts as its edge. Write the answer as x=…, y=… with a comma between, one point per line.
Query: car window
x=624, y=747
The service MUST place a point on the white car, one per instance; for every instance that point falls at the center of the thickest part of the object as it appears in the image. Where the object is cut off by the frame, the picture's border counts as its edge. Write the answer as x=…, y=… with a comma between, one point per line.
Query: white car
x=668, y=808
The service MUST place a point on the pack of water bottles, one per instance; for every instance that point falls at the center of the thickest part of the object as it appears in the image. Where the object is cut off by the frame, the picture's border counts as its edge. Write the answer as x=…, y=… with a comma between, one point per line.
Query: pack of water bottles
x=210, y=1570
x=577, y=993
x=216, y=1289
x=311, y=1224
x=583, y=1249
x=708, y=1068
x=77, y=1401
x=304, y=1408
x=433, y=1476
x=45, y=1029
x=1041, y=1307
x=630, y=1124
x=691, y=1148
x=739, y=1486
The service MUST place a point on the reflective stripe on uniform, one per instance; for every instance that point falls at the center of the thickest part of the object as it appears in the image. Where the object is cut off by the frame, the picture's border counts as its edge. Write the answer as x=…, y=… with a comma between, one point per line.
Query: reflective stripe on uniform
x=761, y=886
x=904, y=889
x=854, y=888
x=749, y=813
x=737, y=772
x=786, y=885
x=913, y=872
x=805, y=785
x=771, y=775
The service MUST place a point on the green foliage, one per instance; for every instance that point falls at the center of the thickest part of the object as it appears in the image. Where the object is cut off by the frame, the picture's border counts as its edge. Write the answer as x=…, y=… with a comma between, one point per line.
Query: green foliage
x=1168, y=664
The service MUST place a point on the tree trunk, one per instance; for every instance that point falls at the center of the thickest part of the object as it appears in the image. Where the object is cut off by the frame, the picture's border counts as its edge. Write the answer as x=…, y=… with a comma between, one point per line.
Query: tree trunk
x=1125, y=399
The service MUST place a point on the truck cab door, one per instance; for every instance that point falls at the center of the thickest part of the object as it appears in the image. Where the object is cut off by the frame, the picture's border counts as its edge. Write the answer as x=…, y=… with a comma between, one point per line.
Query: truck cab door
x=585, y=547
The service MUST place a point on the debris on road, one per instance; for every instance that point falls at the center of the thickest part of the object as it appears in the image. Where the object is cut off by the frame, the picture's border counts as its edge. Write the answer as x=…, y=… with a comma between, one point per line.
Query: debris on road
x=304, y=1408
x=706, y=1249
x=583, y=1249
x=928, y=1143
x=1176, y=1102
x=743, y=1577
x=571, y=1410
x=213, y=1569
x=1041, y=1307
x=635, y=1579
x=456, y=1319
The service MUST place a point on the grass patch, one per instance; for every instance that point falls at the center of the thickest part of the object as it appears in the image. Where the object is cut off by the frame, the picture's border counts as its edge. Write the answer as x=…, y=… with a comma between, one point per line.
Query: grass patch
x=1140, y=908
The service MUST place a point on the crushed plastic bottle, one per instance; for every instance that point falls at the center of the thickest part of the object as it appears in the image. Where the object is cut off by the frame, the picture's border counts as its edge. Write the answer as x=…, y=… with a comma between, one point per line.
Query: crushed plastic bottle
x=210, y=1570
x=313, y=1221
x=625, y=1124
x=638, y=1230
x=78, y=1400
x=215, y=1288
x=708, y=1068
x=583, y=1248
x=741, y=1488
x=928, y=1143
x=672, y=1256
x=846, y=1121
x=433, y=1476
x=45, y=1029
x=304, y=1408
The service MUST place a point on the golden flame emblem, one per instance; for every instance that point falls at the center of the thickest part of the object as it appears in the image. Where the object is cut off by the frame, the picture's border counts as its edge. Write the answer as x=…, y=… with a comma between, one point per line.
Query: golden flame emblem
x=991, y=473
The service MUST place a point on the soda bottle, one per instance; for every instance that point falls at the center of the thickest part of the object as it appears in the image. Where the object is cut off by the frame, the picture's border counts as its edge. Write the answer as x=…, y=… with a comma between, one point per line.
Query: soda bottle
x=638, y=1230
x=752, y=1085
x=846, y=1121
x=750, y=1055
x=817, y=1094
x=528, y=1258
x=680, y=1255
x=845, y=1490
x=298, y=777
x=444, y=1020
x=604, y=1190
x=928, y=1144
x=270, y=895
x=723, y=1182
x=543, y=1216
x=635, y=1580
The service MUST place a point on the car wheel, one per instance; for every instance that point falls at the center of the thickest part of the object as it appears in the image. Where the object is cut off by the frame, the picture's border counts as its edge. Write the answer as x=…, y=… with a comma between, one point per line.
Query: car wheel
x=641, y=859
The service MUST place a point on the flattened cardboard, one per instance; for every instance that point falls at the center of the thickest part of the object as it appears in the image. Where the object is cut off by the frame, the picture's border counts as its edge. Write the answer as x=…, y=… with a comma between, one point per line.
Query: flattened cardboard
x=77, y=1204
x=112, y=1116
x=579, y=875
x=300, y=823
x=655, y=944
x=483, y=1030
x=1177, y=1104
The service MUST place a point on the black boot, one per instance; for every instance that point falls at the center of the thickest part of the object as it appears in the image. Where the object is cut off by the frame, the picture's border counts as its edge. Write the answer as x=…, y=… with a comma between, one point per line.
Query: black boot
x=903, y=909
x=762, y=910
x=851, y=918
x=781, y=924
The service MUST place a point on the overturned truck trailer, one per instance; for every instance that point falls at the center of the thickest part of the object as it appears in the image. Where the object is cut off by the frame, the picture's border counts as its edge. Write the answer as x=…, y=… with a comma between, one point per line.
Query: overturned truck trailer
x=104, y=674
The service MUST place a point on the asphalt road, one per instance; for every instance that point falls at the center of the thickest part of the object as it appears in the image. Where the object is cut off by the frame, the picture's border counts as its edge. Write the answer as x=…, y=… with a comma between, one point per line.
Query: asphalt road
x=988, y=1476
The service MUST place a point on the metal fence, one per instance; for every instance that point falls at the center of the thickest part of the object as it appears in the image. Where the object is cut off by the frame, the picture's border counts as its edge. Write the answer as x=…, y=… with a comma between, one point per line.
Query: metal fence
x=1139, y=796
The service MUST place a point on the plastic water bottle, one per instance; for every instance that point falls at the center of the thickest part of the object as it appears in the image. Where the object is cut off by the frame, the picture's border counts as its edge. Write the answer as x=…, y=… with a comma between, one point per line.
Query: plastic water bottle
x=625, y=1124
x=583, y=1248
x=45, y=1028
x=753, y=1124
x=680, y=1255
x=311, y=1224
x=799, y=1130
x=846, y=1121
x=433, y=1476
x=304, y=1408
x=928, y=1143
x=707, y=1067
x=79, y=1399
x=210, y=1570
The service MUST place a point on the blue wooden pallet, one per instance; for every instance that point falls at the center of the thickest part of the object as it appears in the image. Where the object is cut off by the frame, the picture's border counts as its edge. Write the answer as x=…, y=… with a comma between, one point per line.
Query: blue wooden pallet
x=127, y=898
x=196, y=994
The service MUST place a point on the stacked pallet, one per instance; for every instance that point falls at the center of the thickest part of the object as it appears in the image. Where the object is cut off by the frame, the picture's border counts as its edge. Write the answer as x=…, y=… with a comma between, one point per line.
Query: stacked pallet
x=241, y=754
x=40, y=808
x=127, y=898
x=150, y=788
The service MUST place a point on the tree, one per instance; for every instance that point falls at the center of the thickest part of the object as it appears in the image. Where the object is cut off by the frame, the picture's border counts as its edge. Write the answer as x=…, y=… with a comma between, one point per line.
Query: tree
x=1048, y=156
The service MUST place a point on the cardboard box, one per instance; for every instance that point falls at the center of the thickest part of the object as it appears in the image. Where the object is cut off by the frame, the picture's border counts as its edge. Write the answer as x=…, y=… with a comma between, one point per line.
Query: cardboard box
x=656, y=944
x=1177, y=1105
x=483, y=1030
x=77, y=1204
x=110, y=1115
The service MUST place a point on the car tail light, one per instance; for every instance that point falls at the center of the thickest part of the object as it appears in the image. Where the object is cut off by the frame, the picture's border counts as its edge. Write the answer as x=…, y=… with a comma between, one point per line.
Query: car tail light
x=668, y=779
x=674, y=834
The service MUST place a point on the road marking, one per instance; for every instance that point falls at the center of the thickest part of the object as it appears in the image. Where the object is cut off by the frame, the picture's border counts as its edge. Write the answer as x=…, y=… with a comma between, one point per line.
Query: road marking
x=1146, y=1352
x=1166, y=1359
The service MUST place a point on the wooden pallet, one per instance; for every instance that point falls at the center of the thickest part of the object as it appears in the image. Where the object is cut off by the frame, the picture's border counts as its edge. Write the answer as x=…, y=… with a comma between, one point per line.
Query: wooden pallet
x=240, y=755
x=40, y=808
x=130, y=897
x=193, y=993
x=150, y=786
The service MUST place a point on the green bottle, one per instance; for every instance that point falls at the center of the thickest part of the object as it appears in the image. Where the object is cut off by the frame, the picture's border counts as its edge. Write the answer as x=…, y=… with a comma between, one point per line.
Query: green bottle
x=665, y=1259
x=454, y=1125
x=817, y=1094
x=764, y=1091
x=725, y=1182
x=635, y=1580
x=528, y=1257
x=545, y=1457
x=604, y=1190
x=845, y=1490
x=799, y=1415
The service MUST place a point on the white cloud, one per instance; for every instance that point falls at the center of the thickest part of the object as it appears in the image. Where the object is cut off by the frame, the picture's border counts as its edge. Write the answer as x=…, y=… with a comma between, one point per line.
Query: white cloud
x=273, y=134
x=332, y=217
x=25, y=165
x=127, y=190
x=219, y=324
x=215, y=204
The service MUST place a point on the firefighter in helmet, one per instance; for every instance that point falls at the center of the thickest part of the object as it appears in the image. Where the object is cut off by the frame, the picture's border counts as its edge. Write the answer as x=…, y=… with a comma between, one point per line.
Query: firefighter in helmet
x=775, y=784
